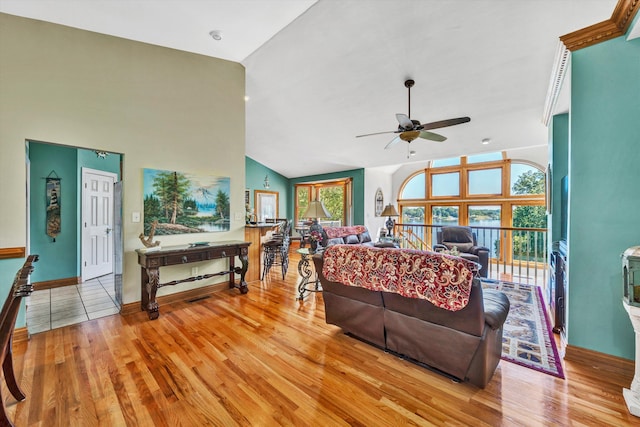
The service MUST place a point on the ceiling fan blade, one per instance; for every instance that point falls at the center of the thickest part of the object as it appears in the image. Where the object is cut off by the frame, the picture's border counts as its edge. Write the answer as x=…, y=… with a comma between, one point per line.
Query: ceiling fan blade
x=404, y=121
x=445, y=123
x=376, y=133
x=432, y=136
x=393, y=142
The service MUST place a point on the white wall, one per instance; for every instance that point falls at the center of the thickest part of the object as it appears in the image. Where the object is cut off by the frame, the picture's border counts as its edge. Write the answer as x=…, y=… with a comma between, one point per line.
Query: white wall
x=375, y=178
x=161, y=108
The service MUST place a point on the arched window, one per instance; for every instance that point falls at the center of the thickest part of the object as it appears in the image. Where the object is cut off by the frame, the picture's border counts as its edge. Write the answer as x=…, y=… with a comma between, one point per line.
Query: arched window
x=487, y=190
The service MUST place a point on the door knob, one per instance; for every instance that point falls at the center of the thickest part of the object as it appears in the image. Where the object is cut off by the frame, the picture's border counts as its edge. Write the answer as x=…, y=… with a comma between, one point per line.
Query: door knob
x=108, y=230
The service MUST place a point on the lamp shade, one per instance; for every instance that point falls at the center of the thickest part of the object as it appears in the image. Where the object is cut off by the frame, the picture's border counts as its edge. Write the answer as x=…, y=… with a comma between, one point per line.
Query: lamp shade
x=389, y=210
x=316, y=210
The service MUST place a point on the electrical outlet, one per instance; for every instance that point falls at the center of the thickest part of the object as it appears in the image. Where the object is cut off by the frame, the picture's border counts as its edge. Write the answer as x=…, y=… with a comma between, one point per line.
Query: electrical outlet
x=135, y=216
x=194, y=271
x=239, y=216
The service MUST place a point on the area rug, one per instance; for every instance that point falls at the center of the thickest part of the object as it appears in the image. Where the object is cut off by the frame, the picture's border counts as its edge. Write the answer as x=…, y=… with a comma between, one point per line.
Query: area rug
x=527, y=338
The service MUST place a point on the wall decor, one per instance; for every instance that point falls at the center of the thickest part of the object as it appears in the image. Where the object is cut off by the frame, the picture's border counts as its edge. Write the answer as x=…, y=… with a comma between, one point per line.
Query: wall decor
x=53, y=205
x=183, y=202
x=379, y=202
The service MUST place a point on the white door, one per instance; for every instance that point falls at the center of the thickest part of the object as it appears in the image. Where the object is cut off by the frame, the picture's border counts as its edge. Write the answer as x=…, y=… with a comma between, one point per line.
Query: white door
x=97, y=223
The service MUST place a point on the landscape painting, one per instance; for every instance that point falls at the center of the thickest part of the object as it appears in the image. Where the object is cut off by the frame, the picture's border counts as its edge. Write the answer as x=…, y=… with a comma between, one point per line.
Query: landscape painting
x=181, y=202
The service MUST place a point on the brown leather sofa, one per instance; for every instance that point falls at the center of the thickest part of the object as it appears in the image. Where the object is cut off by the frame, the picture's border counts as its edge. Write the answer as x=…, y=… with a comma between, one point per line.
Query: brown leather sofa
x=464, y=344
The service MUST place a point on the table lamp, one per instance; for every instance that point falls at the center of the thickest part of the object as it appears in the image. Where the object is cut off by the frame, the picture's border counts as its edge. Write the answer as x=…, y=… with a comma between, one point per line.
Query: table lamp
x=389, y=211
x=314, y=211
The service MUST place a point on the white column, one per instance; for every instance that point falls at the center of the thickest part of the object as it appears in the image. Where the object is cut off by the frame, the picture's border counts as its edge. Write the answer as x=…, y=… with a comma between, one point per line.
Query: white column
x=632, y=395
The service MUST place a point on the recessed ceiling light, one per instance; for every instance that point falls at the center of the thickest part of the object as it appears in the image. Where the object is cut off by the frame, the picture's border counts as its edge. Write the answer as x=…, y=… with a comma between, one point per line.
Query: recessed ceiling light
x=486, y=141
x=216, y=35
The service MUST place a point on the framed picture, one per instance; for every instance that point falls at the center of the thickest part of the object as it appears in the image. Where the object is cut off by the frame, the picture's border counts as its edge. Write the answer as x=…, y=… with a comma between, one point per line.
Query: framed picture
x=379, y=202
x=184, y=203
x=266, y=204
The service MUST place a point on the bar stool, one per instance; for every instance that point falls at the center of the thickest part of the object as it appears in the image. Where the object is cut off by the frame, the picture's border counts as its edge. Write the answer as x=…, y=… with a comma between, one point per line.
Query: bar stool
x=275, y=251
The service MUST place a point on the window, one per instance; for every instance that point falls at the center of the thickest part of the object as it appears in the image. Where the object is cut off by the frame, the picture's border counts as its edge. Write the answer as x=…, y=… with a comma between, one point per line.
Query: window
x=487, y=191
x=334, y=195
x=526, y=179
x=455, y=161
x=414, y=188
x=485, y=181
x=303, y=196
x=486, y=157
x=445, y=184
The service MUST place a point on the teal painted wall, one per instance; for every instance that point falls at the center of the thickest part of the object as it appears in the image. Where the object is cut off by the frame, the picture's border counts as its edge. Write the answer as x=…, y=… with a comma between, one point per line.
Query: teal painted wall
x=254, y=180
x=59, y=259
x=357, y=175
x=89, y=159
x=559, y=155
x=604, y=213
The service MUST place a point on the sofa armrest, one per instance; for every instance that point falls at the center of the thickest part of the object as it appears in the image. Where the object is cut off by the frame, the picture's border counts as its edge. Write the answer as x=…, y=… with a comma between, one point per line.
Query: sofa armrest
x=477, y=249
x=438, y=247
x=496, y=308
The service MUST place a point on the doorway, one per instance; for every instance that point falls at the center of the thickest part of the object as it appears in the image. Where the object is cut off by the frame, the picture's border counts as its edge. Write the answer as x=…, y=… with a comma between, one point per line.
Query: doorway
x=97, y=223
x=61, y=268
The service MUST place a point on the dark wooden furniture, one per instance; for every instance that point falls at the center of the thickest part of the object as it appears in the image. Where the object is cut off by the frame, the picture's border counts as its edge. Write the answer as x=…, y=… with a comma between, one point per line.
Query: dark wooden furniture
x=151, y=261
x=20, y=288
x=558, y=285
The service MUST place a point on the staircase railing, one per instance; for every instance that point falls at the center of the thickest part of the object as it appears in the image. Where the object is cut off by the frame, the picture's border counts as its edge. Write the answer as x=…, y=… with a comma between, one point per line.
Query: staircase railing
x=516, y=254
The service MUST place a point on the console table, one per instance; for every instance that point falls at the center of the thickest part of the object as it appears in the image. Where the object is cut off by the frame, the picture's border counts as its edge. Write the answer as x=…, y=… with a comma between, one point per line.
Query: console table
x=150, y=262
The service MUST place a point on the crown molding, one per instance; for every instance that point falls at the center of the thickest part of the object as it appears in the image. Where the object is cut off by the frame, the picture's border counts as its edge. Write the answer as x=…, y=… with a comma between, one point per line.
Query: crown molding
x=615, y=26
x=558, y=72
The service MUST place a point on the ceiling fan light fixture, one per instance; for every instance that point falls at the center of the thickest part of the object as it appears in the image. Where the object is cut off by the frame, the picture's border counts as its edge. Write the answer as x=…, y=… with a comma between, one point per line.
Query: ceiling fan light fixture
x=216, y=35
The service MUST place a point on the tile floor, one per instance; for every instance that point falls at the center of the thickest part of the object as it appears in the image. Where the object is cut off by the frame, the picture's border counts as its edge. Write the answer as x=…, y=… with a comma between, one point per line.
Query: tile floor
x=54, y=308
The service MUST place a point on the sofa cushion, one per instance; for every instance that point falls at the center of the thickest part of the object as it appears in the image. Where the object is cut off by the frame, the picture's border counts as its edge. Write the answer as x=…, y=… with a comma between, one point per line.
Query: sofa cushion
x=351, y=239
x=334, y=241
x=443, y=280
x=364, y=237
x=462, y=247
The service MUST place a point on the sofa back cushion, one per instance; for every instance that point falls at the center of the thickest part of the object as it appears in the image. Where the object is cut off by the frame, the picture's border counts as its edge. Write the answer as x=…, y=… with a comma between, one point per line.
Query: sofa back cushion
x=364, y=237
x=333, y=232
x=351, y=239
x=443, y=280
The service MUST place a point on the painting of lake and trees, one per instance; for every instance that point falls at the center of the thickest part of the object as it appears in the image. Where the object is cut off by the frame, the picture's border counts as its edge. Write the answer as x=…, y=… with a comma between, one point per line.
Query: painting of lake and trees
x=185, y=203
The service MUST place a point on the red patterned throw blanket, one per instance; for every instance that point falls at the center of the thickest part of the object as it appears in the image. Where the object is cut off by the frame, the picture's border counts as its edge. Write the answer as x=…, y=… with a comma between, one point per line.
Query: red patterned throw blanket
x=333, y=232
x=443, y=280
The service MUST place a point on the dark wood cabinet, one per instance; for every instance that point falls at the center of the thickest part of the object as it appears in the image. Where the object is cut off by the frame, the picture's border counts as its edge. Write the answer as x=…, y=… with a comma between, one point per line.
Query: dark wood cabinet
x=150, y=262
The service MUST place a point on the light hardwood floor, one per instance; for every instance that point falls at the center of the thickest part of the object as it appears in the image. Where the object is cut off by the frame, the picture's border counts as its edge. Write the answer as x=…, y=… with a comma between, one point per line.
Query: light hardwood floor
x=265, y=359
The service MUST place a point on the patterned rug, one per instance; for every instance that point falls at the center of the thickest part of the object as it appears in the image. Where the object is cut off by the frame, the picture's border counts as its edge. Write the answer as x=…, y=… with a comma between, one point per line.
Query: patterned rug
x=527, y=339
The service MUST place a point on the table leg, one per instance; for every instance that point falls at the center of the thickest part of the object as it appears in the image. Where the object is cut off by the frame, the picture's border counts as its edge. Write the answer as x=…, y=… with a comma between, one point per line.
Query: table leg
x=304, y=268
x=149, y=293
x=244, y=258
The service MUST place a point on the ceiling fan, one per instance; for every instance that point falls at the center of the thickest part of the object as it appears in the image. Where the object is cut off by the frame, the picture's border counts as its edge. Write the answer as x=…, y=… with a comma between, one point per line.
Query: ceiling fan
x=408, y=129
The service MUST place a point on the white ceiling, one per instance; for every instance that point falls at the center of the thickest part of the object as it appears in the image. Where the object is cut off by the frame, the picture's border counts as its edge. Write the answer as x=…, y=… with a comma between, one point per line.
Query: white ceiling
x=318, y=74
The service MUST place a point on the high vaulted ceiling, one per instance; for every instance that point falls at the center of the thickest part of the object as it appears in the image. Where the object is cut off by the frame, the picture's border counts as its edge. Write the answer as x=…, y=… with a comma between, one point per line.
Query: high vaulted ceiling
x=320, y=73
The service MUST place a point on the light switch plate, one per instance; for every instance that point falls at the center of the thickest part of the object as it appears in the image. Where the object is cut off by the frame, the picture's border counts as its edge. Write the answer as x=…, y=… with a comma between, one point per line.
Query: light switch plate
x=135, y=217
